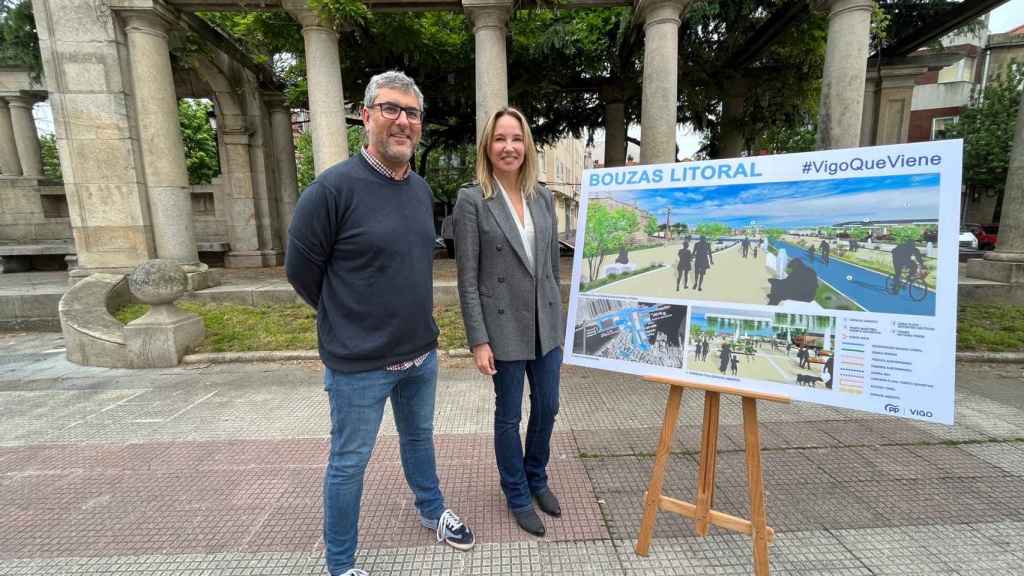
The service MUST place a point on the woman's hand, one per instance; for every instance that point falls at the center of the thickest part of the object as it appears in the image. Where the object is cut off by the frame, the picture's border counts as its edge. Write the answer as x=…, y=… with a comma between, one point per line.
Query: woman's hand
x=484, y=359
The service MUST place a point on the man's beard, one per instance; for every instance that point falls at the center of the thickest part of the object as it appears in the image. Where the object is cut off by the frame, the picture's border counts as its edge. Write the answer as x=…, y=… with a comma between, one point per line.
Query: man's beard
x=396, y=154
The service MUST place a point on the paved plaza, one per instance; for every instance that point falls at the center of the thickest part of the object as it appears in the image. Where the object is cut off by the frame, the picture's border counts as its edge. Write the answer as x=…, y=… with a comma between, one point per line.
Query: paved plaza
x=732, y=278
x=216, y=470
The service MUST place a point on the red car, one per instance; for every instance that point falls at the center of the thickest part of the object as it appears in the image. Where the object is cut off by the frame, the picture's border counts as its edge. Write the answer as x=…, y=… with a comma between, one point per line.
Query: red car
x=986, y=235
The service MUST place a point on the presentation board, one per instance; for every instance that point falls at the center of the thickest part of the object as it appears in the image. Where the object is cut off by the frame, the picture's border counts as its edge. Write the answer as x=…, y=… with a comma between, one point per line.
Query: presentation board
x=830, y=276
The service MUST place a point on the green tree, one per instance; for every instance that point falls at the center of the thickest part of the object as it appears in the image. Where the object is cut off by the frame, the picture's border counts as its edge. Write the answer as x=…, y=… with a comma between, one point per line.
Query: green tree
x=51, y=159
x=774, y=233
x=200, y=139
x=858, y=233
x=901, y=234
x=712, y=230
x=304, y=160
x=650, y=226
x=19, y=43
x=987, y=128
x=607, y=231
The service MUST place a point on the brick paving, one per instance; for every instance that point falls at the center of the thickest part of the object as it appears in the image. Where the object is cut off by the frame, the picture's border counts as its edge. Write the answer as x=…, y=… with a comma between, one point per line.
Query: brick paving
x=217, y=470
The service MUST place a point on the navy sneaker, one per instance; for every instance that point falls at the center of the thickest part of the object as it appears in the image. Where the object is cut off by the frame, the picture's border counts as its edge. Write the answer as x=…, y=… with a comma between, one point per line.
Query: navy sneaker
x=452, y=531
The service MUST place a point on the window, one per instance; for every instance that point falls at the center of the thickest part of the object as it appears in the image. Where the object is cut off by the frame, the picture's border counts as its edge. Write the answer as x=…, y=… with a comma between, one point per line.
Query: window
x=960, y=71
x=941, y=124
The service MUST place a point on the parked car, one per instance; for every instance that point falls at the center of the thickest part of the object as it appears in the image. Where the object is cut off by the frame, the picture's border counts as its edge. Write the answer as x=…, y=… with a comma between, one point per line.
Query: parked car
x=967, y=238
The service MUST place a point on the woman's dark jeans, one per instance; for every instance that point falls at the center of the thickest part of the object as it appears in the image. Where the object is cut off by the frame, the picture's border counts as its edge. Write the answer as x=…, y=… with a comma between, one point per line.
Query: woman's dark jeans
x=524, y=474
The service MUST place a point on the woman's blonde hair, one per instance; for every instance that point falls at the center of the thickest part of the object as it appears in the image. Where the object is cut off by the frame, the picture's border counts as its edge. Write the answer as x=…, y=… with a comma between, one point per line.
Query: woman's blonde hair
x=484, y=169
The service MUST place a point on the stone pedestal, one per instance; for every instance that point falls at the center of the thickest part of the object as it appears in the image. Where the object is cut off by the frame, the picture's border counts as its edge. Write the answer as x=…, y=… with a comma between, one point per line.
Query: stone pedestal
x=661, y=81
x=10, y=165
x=25, y=136
x=842, y=81
x=163, y=153
x=996, y=271
x=166, y=333
x=490, y=22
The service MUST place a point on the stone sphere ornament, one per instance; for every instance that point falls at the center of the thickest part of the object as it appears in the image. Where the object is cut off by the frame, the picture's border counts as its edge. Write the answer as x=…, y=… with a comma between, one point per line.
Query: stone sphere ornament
x=157, y=282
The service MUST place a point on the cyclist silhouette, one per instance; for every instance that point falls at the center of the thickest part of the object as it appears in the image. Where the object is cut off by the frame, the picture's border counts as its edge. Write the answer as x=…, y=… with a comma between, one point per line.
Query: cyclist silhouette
x=903, y=258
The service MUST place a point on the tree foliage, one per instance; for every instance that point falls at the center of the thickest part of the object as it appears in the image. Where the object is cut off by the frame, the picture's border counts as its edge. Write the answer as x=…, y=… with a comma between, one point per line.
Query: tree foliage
x=201, y=156
x=607, y=231
x=901, y=234
x=51, y=159
x=987, y=126
x=19, y=44
x=712, y=230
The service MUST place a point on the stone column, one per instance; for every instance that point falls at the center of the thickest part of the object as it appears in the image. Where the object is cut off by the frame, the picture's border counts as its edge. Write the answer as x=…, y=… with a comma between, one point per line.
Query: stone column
x=1010, y=246
x=25, y=136
x=326, y=97
x=614, y=131
x=10, y=165
x=661, y=94
x=163, y=154
x=842, y=81
x=732, y=141
x=895, y=96
x=490, y=20
x=242, y=230
x=284, y=158
x=869, y=116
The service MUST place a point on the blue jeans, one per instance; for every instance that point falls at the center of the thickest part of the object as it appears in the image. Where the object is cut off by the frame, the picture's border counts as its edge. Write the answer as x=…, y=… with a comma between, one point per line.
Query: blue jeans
x=357, y=406
x=524, y=474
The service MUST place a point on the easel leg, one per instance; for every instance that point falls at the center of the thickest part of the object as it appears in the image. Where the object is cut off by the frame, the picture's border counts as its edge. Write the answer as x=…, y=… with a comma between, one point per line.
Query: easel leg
x=653, y=497
x=708, y=461
x=755, y=485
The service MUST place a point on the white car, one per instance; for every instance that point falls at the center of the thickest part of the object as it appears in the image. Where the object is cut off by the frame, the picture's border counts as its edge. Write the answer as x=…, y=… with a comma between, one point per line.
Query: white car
x=968, y=240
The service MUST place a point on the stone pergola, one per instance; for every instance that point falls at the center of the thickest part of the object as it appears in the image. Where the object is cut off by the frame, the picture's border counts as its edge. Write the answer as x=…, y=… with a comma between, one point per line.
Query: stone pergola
x=113, y=93
x=19, y=144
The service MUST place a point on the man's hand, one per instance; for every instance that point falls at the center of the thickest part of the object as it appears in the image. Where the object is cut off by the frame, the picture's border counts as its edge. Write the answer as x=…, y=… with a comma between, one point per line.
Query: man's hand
x=484, y=358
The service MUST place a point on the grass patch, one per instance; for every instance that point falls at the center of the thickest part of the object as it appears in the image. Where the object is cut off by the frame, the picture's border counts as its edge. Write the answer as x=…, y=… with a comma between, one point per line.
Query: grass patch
x=453, y=331
x=238, y=328
x=587, y=286
x=827, y=297
x=990, y=327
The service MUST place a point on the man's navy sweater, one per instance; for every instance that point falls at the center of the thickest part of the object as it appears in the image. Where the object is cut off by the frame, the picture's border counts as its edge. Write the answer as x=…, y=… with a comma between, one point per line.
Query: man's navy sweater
x=360, y=249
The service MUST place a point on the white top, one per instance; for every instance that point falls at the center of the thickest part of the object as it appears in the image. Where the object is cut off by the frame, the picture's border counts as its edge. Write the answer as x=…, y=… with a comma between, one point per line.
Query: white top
x=526, y=230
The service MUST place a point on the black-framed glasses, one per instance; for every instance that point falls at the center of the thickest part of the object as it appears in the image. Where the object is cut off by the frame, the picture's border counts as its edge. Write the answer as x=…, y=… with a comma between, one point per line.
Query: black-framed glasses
x=392, y=111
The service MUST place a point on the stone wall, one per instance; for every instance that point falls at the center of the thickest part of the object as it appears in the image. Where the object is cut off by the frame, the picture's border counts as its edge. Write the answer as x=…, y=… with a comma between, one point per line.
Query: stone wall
x=30, y=213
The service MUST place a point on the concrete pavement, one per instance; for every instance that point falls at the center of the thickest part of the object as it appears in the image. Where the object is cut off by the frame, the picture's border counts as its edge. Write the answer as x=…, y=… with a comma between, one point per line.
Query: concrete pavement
x=216, y=469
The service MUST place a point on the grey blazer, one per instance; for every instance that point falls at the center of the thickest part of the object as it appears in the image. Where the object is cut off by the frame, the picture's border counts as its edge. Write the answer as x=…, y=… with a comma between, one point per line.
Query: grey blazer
x=502, y=298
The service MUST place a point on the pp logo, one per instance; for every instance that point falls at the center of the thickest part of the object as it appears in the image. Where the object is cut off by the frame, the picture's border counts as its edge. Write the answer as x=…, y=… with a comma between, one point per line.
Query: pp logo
x=892, y=408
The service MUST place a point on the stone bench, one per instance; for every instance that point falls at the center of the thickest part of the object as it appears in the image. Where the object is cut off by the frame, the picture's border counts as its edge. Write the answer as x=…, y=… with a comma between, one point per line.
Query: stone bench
x=92, y=335
x=21, y=257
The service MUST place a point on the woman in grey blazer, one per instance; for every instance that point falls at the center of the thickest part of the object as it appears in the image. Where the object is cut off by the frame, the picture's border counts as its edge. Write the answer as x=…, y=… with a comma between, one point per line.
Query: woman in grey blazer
x=506, y=239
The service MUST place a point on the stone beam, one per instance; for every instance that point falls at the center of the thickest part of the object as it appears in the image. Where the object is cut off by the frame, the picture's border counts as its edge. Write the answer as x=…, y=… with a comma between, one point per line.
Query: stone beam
x=842, y=80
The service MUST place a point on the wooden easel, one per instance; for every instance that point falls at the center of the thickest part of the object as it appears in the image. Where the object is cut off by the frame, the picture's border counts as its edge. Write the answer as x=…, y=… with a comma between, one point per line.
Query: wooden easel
x=701, y=512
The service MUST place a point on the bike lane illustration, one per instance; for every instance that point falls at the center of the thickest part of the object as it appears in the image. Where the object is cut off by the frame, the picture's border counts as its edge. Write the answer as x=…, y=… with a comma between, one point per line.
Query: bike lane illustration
x=865, y=287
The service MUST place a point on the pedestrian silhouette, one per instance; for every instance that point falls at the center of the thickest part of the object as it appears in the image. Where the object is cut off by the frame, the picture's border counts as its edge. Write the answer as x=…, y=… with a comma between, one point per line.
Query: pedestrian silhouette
x=800, y=284
x=734, y=364
x=810, y=255
x=702, y=260
x=745, y=245
x=723, y=358
x=829, y=367
x=825, y=249
x=684, y=265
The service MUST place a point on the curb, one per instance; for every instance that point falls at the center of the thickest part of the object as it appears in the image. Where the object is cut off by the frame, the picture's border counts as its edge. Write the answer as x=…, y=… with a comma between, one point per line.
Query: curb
x=991, y=357
x=286, y=355
x=283, y=355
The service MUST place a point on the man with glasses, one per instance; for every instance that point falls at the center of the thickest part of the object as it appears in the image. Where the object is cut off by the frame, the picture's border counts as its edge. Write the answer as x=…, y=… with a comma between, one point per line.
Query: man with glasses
x=360, y=251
